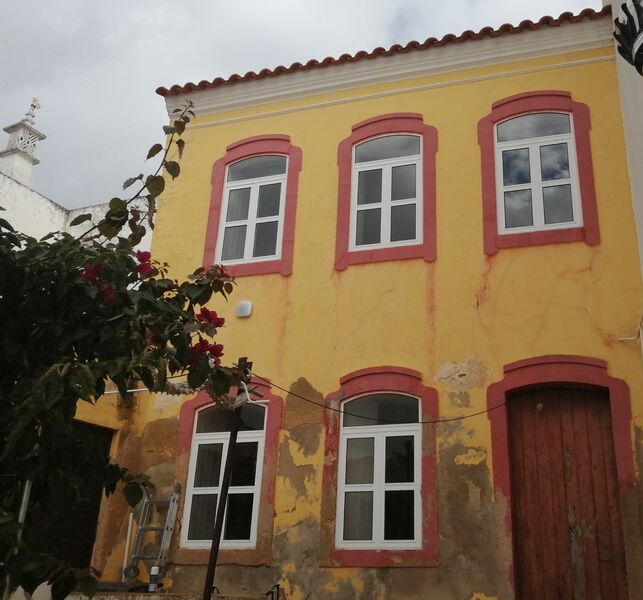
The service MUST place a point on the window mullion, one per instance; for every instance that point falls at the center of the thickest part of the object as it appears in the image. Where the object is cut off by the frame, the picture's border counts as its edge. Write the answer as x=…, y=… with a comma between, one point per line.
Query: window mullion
x=537, y=200
x=378, y=489
x=252, y=221
x=385, y=224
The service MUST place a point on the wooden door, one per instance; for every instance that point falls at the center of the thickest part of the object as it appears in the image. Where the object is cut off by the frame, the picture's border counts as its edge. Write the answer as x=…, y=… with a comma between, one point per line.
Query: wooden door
x=567, y=533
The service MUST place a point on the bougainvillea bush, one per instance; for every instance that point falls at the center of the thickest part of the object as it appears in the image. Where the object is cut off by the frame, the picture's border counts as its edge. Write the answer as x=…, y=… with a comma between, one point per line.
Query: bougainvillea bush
x=79, y=313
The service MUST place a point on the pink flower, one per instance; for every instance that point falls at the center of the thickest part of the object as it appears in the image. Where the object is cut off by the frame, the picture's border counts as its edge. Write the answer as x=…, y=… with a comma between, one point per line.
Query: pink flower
x=145, y=269
x=143, y=256
x=210, y=316
x=91, y=274
x=108, y=295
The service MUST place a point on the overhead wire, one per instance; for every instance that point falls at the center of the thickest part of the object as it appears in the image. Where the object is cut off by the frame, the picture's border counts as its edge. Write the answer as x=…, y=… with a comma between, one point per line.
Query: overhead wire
x=380, y=421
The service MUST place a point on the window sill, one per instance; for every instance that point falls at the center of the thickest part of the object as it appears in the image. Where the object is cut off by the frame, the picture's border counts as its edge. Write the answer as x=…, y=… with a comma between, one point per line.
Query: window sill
x=266, y=267
x=538, y=238
x=381, y=558
x=360, y=257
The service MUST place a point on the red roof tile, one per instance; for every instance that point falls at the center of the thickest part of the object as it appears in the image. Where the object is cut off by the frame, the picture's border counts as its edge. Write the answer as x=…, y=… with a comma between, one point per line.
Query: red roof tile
x=485, y=32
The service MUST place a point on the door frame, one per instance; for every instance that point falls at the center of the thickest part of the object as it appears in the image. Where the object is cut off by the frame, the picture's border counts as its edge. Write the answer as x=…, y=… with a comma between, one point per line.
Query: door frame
x=542, y=371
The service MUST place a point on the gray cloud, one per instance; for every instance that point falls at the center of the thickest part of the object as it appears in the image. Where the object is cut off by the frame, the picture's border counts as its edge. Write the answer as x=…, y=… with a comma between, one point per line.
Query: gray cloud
x=95, y=65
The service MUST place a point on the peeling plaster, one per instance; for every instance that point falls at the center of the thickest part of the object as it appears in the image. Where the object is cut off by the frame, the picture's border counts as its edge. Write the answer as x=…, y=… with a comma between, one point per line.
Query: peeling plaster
x=462, y=377
x=473, y=456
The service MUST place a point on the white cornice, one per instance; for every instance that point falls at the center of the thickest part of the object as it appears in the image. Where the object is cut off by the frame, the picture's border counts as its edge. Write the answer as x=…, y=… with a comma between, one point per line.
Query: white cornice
x=457, y=56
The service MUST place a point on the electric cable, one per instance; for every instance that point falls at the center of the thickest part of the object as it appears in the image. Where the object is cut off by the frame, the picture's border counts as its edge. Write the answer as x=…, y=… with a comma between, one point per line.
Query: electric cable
x=380, y=421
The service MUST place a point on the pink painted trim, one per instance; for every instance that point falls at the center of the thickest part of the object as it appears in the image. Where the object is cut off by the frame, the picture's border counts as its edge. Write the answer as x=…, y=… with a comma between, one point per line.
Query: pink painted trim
x=262, y=553
x=391, y=379
x=531, y=102
x=255, y=146
x=381, y=125
x=557, y=369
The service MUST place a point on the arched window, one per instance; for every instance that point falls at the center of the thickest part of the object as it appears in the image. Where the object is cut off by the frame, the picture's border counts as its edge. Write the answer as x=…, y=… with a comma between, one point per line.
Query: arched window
x=207, y=463
x=252, y=212
x=537, y=174
x=379, y=474
x=386, y=191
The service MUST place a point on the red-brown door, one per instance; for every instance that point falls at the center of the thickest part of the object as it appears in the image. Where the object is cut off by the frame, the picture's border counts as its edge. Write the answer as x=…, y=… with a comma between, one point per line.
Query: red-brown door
x=568, y=541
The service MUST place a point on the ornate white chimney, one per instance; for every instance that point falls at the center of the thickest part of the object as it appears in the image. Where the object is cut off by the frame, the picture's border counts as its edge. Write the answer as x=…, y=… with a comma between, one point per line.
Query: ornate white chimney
x=19, y=157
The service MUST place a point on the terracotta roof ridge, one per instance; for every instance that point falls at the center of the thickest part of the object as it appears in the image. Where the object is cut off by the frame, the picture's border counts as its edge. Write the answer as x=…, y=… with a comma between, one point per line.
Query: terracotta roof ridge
x=432, y=42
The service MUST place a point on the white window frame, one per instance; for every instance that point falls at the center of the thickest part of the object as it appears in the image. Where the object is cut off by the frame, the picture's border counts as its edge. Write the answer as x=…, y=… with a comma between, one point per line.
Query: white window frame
x=379, y=487
x=536, y=186
x=386, y=165
x=252, y=220
x=223, y=438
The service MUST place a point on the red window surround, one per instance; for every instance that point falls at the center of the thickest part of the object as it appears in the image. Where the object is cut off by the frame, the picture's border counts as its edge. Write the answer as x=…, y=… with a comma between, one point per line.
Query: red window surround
x=556, y=369
x=261, y=554
x=357, y=383
x=255, y=146
x=521, y=104
x=386, y=124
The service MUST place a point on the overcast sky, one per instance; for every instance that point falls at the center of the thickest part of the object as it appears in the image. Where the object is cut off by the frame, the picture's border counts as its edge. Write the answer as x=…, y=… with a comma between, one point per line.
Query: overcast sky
x=94, y=66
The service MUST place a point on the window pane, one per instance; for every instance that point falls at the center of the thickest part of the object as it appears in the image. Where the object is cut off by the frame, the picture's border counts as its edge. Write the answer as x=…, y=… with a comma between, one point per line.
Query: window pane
x=215, y=420
x=268, y=205
x=266, y=239
x=208, y=465
x=399, y=459
x=530, y=126
x=257, y=166
x=238, y=517
x=403, y=182
x=238, y=203
x=403, y=222
x=398, y=515
x=234, y=239
x=202, y=515
x=369, y=186
x=386, y=408
x=515, y=167
x=360, y=453
x=245, y=464
x=358, y=516
x=389, y=146
x=554, y=162
x=368, y=226
x=518, y=211
x=558, y=204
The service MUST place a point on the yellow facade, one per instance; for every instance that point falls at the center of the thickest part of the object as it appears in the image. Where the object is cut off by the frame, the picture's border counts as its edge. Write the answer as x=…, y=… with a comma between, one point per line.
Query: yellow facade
x=481, y=312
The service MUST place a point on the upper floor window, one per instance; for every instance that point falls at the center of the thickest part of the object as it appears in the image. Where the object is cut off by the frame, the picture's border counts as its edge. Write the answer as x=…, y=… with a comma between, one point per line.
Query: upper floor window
x=379, y=501
x=537, y=174
x=386, y=191
x=252, y=212
x=253, y=206
x=386, y=186
x=207, y=463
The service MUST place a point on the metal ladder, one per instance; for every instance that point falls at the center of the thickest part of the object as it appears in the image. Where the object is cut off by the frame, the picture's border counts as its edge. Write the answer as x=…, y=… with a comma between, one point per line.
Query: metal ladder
x=158, y=566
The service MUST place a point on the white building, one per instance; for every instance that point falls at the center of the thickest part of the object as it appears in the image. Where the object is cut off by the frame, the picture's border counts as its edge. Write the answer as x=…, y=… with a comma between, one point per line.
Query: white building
x=29, y=211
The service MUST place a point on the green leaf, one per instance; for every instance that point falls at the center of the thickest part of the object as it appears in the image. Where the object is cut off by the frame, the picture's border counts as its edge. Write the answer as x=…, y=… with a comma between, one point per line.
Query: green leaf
x=117, y=203
x=107, y=230
x=80, y=219
x=133, y=180
x=173, y=168
x=168, y=130
x=154, y=150
x=133, y=493
x=179, y=126
x=155, y=184
x=197, y=376
x=180, y=144
x=5, y=225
